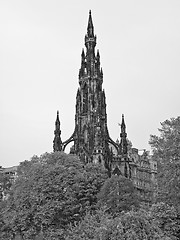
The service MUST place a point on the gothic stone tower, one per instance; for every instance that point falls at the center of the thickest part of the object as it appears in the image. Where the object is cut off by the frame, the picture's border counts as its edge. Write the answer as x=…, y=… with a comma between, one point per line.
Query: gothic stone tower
x=91, y=134
x=92, y=142
x=91, y=139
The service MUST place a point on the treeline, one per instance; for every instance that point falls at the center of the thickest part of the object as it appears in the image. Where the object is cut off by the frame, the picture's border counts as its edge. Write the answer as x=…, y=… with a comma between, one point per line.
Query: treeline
x=55, y=196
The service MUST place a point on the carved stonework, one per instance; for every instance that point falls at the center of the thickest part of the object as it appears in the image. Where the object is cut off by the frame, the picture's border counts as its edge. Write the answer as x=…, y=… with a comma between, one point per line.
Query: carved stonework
x=91, y=137
x=92, y=142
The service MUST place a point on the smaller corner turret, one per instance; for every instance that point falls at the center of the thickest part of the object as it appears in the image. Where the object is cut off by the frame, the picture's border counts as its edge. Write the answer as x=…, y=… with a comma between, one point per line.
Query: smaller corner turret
x=83, y=65
x=123, y=143
x=101, y=73
x=97, y=64
x=98, y=56
x=57, y=143
x=82, y=56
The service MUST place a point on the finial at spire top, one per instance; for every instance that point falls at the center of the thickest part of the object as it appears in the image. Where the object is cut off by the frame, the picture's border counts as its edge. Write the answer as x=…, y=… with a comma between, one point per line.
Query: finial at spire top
x=123, y=123
x=57, y=119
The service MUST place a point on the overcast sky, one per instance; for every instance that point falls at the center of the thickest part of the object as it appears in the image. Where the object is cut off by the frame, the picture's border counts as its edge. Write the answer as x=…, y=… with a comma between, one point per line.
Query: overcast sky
x=40, y=48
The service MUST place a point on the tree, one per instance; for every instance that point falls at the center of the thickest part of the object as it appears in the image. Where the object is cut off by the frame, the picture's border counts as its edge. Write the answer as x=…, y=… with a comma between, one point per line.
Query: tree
x=128, y=225
x=118, y=194
x=166, y=217
x=5, y=184
x=166, y=149
x=50, y=192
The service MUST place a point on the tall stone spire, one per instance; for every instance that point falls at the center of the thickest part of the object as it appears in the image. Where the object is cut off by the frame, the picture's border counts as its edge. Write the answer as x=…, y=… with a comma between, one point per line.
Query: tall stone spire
x=91, y=139
x=57, y=143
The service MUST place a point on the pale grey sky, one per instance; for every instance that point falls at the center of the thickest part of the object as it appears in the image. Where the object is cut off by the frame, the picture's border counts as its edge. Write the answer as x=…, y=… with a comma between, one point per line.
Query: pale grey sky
x=40, y=48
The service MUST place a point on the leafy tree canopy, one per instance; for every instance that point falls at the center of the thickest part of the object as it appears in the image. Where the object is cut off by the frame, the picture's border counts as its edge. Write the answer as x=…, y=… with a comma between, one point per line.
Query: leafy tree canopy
x=50, y=192
x=118, y=194
x=166, y=149
x=128, y=225
x=166, y=217
x=5, y=184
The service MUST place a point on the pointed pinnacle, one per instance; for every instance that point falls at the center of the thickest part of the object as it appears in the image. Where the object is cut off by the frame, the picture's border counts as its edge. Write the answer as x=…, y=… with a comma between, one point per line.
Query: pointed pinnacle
x=123, y=122
x=90, y=28
x=98, y=55
x=82, y=54
x=101, y=71
x=57, y=119
x=123, y=125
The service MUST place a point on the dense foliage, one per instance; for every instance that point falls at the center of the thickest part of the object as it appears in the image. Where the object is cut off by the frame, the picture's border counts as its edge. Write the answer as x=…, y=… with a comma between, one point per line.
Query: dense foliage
x=133, y=225
x=5, y=184
x=166, y=149
x=166, y=218
x=118, y=194
x=51, y=192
